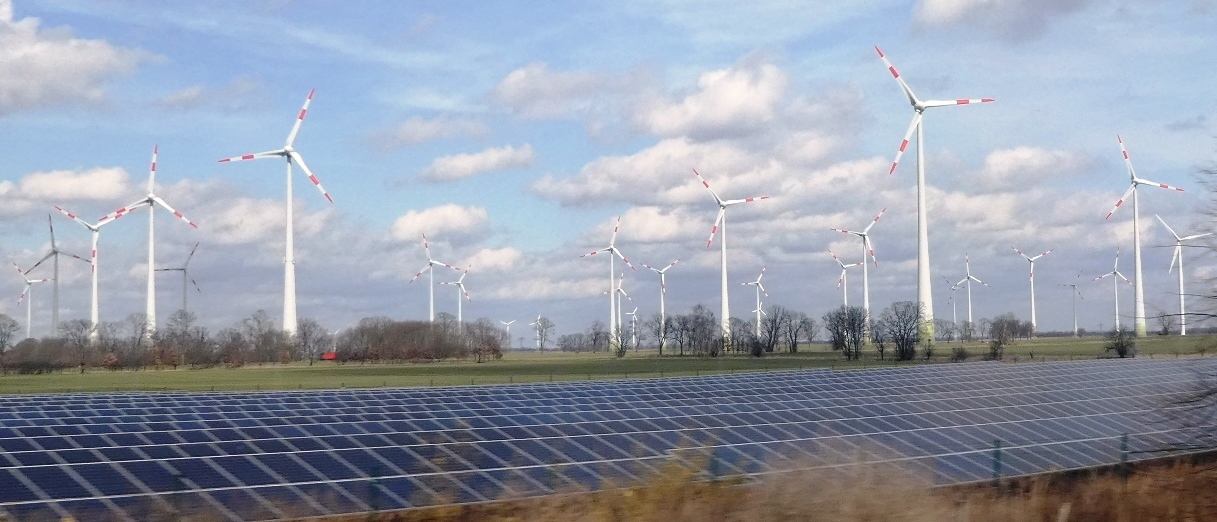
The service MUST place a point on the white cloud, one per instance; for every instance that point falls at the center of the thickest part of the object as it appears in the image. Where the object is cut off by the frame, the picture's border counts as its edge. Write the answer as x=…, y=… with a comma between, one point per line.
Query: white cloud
x=457, y=166
x=68, y=188
x=727, y=102
x=1009, y=19
x=444, y=219
x=1022, y=166
x=533, y=91
x=419, y=130
x=45, y=68
x=495, y=259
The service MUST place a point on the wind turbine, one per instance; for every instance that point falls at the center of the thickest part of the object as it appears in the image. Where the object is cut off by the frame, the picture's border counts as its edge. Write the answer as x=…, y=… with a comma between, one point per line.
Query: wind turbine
x=290, y=155
x=720, y=222
x=842, y=282
x=633, y=328
x=460, y=289
x=53, y=255
x=185, y=276
x=867, y=247
x=951, y=299
x=508, y=325
x=29, y=305
x=1178, y=256
x=537, y=324
x=1031, y=261
x=1115, y=271
x=924, y=295
x=759, y=290
x=151, y=201
x=663, y=292
x=429, y=268
x=614, y=320
x=1076, y=294
x=968, y=278
x=96, y=230
x=620, y=290
x=1138, y=288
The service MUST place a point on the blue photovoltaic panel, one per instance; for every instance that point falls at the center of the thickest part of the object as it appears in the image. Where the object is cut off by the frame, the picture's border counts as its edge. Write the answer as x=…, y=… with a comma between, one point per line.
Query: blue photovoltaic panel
x=281, y=455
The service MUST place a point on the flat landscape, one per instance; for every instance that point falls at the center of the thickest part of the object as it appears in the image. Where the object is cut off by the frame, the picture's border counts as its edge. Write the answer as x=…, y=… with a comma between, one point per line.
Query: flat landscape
x=519, y=367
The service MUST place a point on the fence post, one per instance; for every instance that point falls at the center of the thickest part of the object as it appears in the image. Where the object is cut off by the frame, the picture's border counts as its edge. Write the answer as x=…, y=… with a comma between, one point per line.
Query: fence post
x=1124, y=467
x=996, y=462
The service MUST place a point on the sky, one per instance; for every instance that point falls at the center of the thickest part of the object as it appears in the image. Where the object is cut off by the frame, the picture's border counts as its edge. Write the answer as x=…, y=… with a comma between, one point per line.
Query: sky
x=515, y=133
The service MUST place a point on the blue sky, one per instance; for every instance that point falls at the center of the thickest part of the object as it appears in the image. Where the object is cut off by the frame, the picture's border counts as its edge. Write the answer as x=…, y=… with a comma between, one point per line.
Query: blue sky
x=514, y=134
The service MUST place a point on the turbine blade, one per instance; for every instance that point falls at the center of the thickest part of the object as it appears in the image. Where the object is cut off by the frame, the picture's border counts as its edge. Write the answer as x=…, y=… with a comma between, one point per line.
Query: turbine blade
x=873, y=221
x=420, y=272
x=44, y=258
x=192, y=249
x=1124, y=152
x=959, y=101
x=123, y=211
x=1122, y=200
x=256, y=155
x=152, y=170
x=1142, y=181
x=1195, y=236
x=744, y=200
x=1174, y=257
x=978, y=280
x=52, y=227
x=1168, y=228
x=896, y=74
x=616, y=228
x=23, y=292
x=904, y=144
x=592, y=253
x=870, y=247
x=196, y=286
x=179, y=215
x=717, y=221
x=291, y=138
x=707, y=185
x=627, y=261
x=311, y=177
x=73, y=217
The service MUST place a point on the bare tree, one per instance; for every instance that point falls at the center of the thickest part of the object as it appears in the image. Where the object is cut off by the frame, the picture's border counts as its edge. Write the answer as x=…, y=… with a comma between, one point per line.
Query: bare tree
x=597, y=335
x=811, y=329
x=901, y=323
x=742, y=334
x=1166, y=322
x=773, y=322
x=792, y=330
x=705, y=337
x=846, y=326
x=8, y=328
x=682, y=332
x=545, y=329
x=311, y=338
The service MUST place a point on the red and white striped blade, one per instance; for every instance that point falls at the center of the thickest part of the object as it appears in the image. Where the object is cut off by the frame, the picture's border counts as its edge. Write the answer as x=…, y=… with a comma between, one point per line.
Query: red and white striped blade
x=896, y=74
x=627, y=261
x=1121, y=202
x=870, y=247
x=17, y=268
x=616, y=228
x=707, y=185
x=904, y=144
x=1103, y=276
x=176, y=214
x=40, y=261
x=192, y=249
x=93, y=253
x=745, y=200
x=763, y=291
x=311, y=177
x=873, y=221
x=291, y=138
x=960, y=283
x=841, y=280
x=256, y=155
x=1142, y=181
x=152, y=170
x=122, y=211
x=23, y=292
x=420, y=273
x=592, y=253
x=73, y=217
x=960, y=101
x=717, y=221
x=1124, y=278
x=1124, y=152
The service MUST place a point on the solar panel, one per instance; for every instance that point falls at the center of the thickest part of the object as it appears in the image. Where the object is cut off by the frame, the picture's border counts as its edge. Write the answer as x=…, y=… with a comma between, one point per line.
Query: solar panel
x=277, y=455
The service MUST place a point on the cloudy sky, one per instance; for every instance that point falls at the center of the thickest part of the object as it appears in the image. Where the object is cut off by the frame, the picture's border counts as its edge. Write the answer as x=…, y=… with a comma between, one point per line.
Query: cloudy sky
x=515, y=133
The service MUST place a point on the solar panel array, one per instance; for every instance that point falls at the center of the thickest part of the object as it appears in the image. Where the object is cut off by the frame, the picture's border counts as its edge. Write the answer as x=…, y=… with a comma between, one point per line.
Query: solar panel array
x=277, y=455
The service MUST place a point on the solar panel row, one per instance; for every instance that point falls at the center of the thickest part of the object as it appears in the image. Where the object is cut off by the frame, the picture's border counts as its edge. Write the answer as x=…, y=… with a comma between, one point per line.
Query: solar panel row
x=265, y=456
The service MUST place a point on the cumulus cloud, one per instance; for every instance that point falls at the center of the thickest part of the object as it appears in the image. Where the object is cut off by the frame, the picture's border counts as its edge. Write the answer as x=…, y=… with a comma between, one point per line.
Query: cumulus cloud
x=444, y=219
x=495, y=259
x=418, y=130
x=1009, y=168
x=45, y=68
x=64, y=187
x=727, y=102
x=534, y=91
x=457, y=166
x=1006, y=19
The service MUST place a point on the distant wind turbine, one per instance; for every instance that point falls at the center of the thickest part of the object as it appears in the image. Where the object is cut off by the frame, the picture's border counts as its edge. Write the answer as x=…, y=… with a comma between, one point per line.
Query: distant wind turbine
x=867, y=248
x=1115, y=271
x=613, y=253
x=1031, y=261
x=967, y=265
x=1076, y=295
x=842, y=282
x=460, y=289
x=53, y=255
x=759, y=290
x=1178, y=256
x=720, y=222
x=96, y=230
x=508, y=325
x=430, y=269
x=663, y=292
x=29, y=305
x=184, y=269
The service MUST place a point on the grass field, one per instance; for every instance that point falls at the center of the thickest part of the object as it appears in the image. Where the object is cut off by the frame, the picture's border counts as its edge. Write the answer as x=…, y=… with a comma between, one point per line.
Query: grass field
x=517, y=367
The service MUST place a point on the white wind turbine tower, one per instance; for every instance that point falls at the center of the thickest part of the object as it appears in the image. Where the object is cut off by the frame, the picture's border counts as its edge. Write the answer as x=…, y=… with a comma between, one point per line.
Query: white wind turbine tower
x=151, y=201
x=460, y=289
x=1178, y=256
x=633, y=328
x=430, y=269
x=951, y=298
x=620, y=291
x=842, y=282
x=867, y=247
x=96, y=230
x=1076, y=294
x=614, y=321
x=1138, y=288
x=759, y=290
x=53, y=255
x=184, y=269
x=968, y=278
x=537, y=324
x=1031, y=261
x=29, y=305
x=924, y=295
x=663, y=292
x=290, y=155
x=508, y=325
x=720, y=222
x=1115, y=284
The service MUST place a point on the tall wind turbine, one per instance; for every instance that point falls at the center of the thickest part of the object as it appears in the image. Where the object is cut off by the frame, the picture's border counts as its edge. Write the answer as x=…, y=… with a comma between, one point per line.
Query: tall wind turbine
x=867, y=247
x=96, y=230
x=537, y=324
x=1076, y=294
x=508, y=325
x=1178, y=256
x=842, y=282
x=29, y=305
x=151, y=201
x=1115, y=285
x=430, y=269
x=1031, y=261
x=951, y=299
x=924, y=295
x=720, y=222
x=460, y=289
x=633, y=328
x=759, y=290
x=663, y=292
x=968, y=278
x=1138, y=288
x=290, y=155
x=53, y=255
x=184, y=269
x=620, y=291
x=614, y=322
